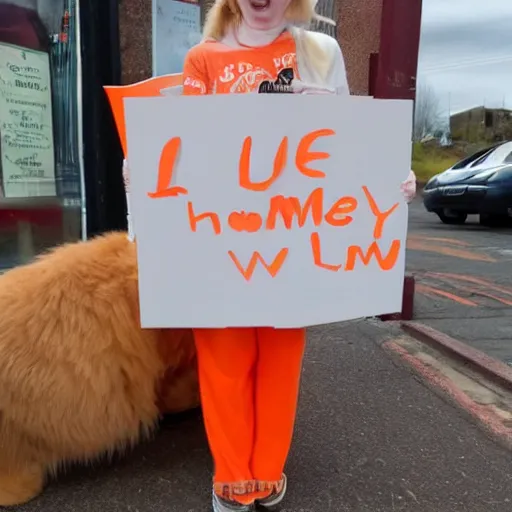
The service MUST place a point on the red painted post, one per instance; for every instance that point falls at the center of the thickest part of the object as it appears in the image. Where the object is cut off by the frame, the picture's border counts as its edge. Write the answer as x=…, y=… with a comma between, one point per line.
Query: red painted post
x=407, y=302
x=372, y=75
x=393, y=73
x=399, y=47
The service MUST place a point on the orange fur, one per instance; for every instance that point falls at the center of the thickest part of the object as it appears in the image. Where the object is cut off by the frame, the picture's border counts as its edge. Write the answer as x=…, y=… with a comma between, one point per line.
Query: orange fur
x=78, y=375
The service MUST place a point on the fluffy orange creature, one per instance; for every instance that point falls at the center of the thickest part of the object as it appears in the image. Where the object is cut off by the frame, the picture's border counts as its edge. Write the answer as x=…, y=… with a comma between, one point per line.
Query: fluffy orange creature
x=78, y=376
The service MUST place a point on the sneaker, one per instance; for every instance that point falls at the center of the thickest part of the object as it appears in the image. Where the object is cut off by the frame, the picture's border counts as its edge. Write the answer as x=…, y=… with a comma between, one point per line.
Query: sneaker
x=222, y=505
x=276, y=498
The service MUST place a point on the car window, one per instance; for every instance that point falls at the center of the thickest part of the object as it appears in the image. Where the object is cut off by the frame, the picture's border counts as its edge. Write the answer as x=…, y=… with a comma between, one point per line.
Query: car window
x=472, y=158
x=498, y=154
x=508, y=158
x=482, y=159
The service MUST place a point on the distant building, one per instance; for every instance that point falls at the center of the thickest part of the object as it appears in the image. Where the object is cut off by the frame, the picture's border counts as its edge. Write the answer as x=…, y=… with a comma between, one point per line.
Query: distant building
x=482, y=124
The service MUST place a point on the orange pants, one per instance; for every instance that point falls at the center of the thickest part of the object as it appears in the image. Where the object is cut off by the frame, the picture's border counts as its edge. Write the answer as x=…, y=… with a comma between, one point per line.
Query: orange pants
x=249, y=380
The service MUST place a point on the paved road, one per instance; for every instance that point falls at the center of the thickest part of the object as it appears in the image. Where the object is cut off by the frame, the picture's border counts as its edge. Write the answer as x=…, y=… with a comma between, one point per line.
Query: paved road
x=370, y=438
x=464, y=280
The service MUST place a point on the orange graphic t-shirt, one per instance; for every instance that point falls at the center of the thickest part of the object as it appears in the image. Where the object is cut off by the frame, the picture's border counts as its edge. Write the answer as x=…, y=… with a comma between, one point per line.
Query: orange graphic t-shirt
x=216, y=68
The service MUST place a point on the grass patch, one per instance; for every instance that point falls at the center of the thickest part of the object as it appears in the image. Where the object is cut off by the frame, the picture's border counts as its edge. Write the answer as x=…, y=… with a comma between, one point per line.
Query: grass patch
x=428, y=160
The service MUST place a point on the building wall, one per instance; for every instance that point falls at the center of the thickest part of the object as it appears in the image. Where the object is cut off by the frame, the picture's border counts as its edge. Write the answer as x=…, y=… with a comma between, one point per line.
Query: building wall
x=481, y=124
x=358, y=33
x=135, y=22
x=359, y=36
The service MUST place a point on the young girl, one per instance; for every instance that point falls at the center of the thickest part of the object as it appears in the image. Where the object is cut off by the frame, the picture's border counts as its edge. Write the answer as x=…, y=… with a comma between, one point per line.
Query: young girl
x=249, y=377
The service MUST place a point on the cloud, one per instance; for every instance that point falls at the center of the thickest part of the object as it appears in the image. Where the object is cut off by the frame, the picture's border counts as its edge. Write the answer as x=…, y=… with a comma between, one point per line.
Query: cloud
x=466, y=52
x=463, y=12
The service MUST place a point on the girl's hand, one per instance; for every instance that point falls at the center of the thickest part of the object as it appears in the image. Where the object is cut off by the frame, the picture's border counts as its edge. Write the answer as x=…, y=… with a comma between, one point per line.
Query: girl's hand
x=408, y=187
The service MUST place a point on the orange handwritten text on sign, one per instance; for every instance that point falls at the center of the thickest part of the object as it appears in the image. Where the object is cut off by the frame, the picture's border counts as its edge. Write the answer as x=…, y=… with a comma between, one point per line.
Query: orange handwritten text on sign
x=241, y=221
x=288, y=212
x=168, y=158
x=272, y=268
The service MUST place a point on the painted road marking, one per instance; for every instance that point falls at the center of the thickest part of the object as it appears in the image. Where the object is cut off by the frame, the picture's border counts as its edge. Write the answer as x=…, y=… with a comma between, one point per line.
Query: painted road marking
x=475, y=291
x=453, y=241
x=462, y=289
x=430, y=290
x=471, y=279
x=467, y=290
x=415, y=243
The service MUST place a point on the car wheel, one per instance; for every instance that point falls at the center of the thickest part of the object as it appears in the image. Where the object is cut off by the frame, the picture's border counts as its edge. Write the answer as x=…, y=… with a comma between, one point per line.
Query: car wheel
x=494, y=221
x=451, y=217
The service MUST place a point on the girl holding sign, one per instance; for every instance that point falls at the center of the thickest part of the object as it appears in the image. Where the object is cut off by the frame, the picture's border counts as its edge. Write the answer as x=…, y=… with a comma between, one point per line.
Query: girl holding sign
x=249, y=378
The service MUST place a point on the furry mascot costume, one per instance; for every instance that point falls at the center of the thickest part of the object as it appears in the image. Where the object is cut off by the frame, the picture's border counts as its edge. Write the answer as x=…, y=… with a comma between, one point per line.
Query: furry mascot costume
x=79, y=377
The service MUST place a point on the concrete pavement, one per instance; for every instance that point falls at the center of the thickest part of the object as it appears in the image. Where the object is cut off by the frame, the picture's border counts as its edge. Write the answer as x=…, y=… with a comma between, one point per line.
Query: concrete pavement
x=371, y=436
x=463, y=280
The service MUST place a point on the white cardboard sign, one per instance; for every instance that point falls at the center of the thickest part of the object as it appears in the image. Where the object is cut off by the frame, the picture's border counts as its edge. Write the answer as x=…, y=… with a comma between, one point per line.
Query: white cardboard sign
x=330, y=228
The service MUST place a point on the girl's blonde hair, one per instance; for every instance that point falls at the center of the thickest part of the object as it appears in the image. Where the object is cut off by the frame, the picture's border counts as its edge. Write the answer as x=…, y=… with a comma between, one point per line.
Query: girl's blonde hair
x=225, y=14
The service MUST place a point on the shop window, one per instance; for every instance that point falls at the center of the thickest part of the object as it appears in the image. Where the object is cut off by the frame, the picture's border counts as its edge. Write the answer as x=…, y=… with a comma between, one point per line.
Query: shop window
x=40, y=168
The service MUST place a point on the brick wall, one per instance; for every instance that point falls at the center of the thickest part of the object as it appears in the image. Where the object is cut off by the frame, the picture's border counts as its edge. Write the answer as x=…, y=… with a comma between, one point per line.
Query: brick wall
x=359, y=36
x=135, y=22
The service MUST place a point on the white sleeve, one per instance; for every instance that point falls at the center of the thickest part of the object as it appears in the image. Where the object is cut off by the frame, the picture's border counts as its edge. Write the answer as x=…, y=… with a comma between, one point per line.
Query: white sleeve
x=337, y=78
x=333, y=79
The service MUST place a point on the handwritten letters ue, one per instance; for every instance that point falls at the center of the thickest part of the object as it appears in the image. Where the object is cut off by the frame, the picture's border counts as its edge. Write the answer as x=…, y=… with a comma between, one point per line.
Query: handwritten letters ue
x=276, y=211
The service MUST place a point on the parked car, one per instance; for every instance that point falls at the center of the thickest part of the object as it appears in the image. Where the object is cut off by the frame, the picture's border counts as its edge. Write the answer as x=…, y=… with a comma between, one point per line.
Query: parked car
x=480, y=184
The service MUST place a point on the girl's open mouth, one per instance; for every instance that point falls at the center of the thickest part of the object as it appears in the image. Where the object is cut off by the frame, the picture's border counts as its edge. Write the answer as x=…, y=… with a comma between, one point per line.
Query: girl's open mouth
x=260, y=5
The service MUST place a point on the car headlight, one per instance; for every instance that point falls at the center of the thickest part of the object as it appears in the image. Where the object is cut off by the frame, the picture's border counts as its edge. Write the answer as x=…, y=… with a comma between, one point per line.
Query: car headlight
x=431, y=183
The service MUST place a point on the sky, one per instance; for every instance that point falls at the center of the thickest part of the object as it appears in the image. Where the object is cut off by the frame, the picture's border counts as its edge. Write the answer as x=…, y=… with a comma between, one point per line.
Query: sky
x=466, y=53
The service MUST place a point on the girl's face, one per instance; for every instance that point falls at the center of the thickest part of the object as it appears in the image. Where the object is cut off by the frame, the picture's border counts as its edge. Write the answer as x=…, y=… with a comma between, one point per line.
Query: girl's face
x=263, y=14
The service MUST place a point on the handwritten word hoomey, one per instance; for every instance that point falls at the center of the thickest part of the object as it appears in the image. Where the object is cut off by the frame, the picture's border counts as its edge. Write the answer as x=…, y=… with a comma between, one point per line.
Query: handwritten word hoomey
x=340, y=213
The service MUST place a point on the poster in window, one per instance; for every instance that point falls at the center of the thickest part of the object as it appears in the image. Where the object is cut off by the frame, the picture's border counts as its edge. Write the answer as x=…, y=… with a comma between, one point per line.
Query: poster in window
x=176, y=29
x=26, y=124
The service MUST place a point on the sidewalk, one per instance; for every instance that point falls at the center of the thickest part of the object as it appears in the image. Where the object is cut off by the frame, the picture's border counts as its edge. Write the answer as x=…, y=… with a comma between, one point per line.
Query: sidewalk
x=370, y=437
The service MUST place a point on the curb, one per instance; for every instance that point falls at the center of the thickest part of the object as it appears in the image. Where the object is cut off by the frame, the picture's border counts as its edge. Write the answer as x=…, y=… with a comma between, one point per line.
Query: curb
x=491, y=368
